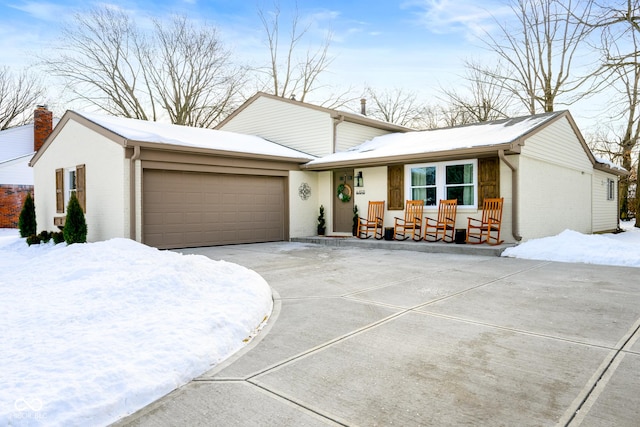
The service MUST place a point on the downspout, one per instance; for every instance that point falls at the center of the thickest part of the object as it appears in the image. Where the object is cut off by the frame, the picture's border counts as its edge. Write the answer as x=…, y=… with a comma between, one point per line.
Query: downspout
x=336, y=122
x=132, y=191
x=514, y=197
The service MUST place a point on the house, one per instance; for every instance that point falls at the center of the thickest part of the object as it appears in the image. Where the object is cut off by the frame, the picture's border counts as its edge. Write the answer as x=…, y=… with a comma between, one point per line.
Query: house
x=540, y=164
x=265, y=171
x=17, y=147
x=166, y=185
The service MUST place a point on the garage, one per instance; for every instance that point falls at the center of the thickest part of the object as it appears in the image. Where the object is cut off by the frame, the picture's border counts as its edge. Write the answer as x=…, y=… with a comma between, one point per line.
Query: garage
x=188, y=209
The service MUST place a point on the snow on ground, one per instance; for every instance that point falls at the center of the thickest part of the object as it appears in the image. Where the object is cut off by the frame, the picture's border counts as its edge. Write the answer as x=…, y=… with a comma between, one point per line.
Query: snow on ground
x=92, y=332
x=621, y=249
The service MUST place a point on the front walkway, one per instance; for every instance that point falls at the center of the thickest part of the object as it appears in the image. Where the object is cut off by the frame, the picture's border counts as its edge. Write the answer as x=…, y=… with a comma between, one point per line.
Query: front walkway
x=373, y=337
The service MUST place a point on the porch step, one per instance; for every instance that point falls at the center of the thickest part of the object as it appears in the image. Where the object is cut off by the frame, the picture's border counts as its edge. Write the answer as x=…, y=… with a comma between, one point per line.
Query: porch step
x=407, y=245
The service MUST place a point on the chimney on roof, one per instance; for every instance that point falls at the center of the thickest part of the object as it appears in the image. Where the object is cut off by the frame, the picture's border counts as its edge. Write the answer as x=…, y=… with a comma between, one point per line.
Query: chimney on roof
x=42, y=125
x=363, y=107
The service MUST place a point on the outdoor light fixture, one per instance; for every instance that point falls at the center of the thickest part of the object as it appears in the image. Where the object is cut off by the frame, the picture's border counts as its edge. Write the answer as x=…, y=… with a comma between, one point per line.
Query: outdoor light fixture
x=359, y=182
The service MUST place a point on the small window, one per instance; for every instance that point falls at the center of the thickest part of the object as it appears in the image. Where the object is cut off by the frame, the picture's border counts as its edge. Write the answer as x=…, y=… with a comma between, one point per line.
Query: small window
x=611, y=189
x=72, y=183
x=459, y=183
x=423, y=185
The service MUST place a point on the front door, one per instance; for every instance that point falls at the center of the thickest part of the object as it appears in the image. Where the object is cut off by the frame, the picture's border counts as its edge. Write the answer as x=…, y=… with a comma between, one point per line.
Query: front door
x=343, y=201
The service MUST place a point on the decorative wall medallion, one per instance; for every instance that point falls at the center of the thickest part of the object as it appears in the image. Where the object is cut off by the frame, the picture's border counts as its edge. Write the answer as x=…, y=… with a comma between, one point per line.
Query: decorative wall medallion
x=304, y=191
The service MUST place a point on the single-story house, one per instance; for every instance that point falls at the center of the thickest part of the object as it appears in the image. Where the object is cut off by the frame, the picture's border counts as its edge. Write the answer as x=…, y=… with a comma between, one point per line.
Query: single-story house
x=264, y=172
x=17, y=147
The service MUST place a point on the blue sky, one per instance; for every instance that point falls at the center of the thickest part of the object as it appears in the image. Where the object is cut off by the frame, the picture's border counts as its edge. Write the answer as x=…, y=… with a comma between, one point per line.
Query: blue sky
x=417, y=45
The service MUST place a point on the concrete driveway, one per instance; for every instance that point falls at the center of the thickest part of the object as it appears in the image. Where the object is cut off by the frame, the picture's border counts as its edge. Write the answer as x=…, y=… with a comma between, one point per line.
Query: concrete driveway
x=383, y=337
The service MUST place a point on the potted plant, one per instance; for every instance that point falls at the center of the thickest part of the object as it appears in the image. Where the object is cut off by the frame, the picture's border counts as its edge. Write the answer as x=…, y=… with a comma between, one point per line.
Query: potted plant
x=321, y=223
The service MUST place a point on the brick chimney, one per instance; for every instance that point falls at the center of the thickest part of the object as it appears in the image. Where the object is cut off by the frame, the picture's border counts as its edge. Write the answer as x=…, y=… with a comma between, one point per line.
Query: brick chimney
x=363, y=107
x=42, y=125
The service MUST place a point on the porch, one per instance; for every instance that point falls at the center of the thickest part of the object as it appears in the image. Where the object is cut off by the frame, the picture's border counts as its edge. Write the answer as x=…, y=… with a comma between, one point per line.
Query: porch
x=406, y=245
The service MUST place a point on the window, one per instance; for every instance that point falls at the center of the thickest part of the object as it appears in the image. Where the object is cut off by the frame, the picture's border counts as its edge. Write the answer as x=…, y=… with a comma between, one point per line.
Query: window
x=70, y=181
x=447, y=180
x=611, y=189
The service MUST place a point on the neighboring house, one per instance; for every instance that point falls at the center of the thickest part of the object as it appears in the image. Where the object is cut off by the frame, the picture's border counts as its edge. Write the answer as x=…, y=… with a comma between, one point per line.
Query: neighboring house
x=166, y=185
x=17, y=146
x=540, y=165
x=264, y=176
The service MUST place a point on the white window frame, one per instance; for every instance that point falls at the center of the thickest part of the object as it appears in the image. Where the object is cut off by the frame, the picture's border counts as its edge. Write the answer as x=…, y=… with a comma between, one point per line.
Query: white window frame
x=441, y=186
x=611, y=189
x=69, y=177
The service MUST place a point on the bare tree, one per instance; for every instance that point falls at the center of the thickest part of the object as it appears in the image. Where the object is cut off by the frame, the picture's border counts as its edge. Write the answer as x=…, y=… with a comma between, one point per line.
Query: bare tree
x=19, y=93
x=483, y=99
x=178, y=70
x=292, y=73
x=538, y=56
x=397, y=106
x=621, y=61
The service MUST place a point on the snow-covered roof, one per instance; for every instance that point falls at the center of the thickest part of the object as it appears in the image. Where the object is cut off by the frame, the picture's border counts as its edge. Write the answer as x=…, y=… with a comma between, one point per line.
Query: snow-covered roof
x=185, y=136
x=484, y=134
x=610, y=164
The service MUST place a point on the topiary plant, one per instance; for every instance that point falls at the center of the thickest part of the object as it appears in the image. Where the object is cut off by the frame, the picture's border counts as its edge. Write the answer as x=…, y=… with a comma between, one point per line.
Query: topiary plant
x=27, y=220
x=354, y=227
x=321, y=223
x=75, y=226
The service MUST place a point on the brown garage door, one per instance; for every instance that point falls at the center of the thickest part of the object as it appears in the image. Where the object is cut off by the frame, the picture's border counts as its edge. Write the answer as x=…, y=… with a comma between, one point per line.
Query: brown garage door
x=187, y=209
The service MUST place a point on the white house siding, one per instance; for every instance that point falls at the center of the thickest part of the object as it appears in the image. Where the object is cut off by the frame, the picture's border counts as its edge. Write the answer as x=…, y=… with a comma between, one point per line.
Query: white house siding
x=17, y=171
x=554, y=183
x=605, y=212
x=303, y=212
x=374, y=189
x=300, y=128
x=352, y=134
x=107, y=207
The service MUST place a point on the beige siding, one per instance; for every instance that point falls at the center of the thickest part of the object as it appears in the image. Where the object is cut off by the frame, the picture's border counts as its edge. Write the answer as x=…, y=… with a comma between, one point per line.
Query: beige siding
x=303, y=129
x=605, y=212
x=352, y=134
x=558, y=144
x=552, y=199
x=106, y=181
x=304, y=212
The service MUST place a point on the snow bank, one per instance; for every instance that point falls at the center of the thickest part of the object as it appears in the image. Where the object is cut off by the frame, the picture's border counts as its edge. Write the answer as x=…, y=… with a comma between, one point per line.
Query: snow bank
x=93, y=332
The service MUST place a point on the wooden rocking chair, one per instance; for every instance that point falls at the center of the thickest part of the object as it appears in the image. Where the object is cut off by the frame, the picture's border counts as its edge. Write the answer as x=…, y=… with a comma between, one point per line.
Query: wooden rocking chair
x=412, y=222
x=488, y=229
x=445, y=224
x=374, y=221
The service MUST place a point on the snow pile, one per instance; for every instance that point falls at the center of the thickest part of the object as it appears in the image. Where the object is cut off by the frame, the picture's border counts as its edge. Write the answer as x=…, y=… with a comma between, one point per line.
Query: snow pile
x=92, y=332
x=570, y=246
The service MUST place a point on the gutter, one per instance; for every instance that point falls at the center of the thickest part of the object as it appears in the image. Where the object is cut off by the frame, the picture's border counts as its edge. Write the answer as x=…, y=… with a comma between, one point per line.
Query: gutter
x=514, y=197
x=336, y=122
x=132, y=191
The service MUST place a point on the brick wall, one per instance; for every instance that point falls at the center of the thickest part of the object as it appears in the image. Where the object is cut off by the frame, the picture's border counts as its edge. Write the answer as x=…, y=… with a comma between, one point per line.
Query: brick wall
x=11, y=200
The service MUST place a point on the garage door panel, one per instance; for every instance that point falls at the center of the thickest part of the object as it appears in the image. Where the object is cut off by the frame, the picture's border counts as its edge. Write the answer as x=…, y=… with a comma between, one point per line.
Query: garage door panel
x=182, y=209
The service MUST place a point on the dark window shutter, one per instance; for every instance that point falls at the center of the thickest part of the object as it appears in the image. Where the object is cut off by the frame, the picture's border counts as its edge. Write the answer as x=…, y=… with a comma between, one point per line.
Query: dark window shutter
x=395, y=187
x=59, y=190
x=81, y=186
x=488, y=179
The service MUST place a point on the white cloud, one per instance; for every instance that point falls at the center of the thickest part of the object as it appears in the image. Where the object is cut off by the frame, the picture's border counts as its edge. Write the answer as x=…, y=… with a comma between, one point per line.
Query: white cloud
x=44, y=11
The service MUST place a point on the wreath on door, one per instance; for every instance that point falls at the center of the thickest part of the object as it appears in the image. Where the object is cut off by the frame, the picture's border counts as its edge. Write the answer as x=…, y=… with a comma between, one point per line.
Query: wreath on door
x=344, y=192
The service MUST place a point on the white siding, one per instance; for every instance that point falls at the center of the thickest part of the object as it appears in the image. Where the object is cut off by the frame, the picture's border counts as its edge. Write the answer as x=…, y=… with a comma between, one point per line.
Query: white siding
x=554, y=183
x=303, y=214
x=553, y=198
x=17, y=171
x=558, y=144
x=297, y=127
x=352, y=134
x=605, y=212
x=107, y=201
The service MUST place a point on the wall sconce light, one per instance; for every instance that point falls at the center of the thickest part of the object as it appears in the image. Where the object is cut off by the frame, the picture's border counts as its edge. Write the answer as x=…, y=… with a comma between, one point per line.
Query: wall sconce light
x=359, y=181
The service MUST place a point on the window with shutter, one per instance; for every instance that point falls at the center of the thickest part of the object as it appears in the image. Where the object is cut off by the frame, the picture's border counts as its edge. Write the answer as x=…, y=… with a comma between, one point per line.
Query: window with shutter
x=395, y=187
x=60, y=190
x=81, y=186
